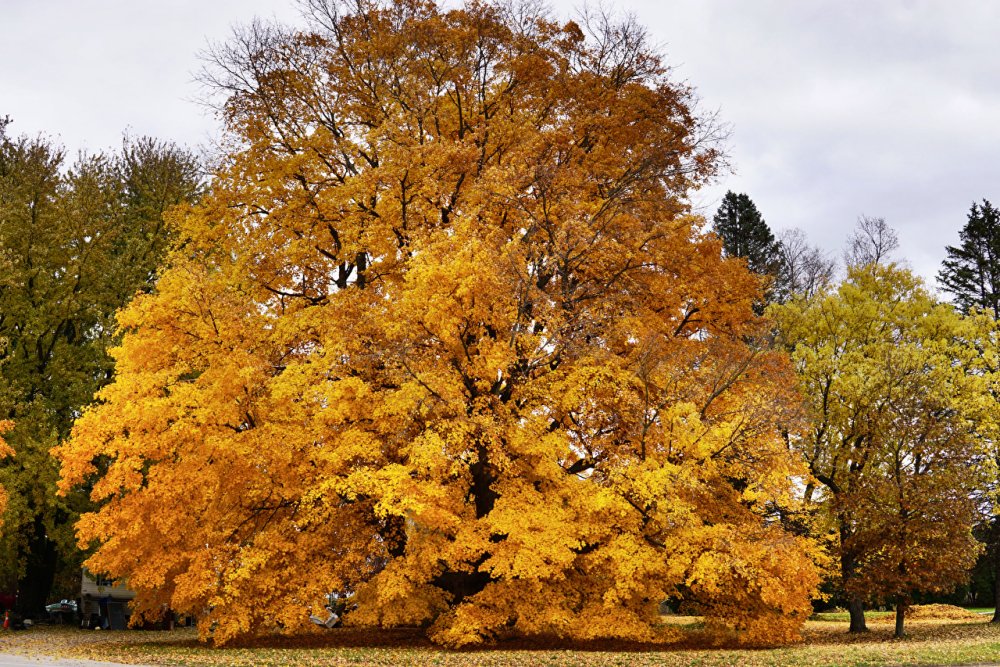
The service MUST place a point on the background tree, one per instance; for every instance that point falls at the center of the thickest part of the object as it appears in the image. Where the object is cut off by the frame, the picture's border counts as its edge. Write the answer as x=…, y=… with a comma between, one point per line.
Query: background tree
x=872, y=242
x=805, y=269
x=77, y=243
x=919, y=509
x=445, y=339
x=890, y=383
x=971, y=271
x=971, y=274
x=745, y=234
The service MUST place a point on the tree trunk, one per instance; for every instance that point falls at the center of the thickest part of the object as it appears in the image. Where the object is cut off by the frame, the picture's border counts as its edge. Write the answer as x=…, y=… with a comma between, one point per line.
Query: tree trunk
x=848, y=564
x=995, y=546
x=857, y=611
x=463, y=584
x=900, y=614
x=483, y=477
x=39, y=572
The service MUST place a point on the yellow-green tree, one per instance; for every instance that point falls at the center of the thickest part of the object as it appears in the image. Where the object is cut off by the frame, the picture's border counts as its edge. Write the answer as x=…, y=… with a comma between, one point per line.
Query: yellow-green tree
x=444, y=339
x=895, y=394
x=76, y=242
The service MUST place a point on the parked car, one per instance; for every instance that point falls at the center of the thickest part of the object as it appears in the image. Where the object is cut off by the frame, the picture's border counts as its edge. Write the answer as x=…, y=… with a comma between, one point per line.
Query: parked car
x=63, y=611
x=63, y=606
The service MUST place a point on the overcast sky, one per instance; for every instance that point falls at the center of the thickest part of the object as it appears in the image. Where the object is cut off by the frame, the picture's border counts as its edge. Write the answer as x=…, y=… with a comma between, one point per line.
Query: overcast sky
x=837, y=108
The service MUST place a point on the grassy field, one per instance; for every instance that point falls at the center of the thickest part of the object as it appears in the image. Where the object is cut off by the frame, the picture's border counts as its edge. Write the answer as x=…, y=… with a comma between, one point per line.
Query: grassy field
x=826, y=643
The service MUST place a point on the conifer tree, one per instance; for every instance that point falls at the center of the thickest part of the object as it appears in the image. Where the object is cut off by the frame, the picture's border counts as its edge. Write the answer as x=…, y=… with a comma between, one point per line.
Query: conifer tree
x=744, y=233
x=971, y=271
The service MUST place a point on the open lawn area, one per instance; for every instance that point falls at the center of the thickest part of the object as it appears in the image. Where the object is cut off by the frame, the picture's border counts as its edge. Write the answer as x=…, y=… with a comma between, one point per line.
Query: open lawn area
x=929, y=643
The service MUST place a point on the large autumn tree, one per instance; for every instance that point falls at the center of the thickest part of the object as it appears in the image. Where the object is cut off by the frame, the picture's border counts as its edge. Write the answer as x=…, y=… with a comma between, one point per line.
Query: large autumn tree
x=76, y=242
x=444, y=339
x=896, y=397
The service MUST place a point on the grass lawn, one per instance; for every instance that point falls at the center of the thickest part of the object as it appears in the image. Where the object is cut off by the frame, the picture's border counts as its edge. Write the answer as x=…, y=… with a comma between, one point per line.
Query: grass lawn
x=826, y=643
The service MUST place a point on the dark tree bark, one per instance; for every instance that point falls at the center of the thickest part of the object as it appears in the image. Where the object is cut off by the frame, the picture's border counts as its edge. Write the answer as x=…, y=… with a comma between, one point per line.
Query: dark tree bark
x=857, y=610
x=848, y=565
x=996, y=592
x=463, y=584
x=39, y=573
x=900, y=615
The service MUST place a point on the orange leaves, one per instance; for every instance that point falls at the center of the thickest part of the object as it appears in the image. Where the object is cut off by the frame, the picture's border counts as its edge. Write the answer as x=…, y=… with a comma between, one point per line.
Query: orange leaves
x=451, y=348
x=5, y=451
x=775, y=576
x=5, y=426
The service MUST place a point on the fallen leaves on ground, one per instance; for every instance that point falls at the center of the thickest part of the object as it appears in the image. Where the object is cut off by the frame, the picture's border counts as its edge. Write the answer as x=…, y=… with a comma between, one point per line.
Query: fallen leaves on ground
x=941, y=611
x=826, y=643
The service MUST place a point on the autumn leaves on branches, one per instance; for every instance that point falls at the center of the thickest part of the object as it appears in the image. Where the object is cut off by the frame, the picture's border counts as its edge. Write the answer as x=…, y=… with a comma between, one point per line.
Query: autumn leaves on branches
x=445, y=340
x=899, y=393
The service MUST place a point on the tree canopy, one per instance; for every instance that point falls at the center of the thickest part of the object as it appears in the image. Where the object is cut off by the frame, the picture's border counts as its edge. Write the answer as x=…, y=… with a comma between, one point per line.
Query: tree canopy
x=75, y=243
x=444, y=339
x=896, y=399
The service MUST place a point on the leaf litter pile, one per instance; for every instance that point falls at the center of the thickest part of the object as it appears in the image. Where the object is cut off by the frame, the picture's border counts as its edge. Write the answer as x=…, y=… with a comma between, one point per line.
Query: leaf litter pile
x=929, y=642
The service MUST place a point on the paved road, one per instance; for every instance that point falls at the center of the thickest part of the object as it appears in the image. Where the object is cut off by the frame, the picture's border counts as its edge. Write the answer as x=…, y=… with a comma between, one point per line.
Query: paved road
x=11, y=660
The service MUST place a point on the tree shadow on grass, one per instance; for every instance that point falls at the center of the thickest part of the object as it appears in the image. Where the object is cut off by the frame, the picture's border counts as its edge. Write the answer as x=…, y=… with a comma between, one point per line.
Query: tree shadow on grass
x=693, y=638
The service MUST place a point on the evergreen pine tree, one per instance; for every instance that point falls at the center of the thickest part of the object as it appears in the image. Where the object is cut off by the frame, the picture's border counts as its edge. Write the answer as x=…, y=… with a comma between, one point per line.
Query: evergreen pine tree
x=971, y=271
x=745, y=234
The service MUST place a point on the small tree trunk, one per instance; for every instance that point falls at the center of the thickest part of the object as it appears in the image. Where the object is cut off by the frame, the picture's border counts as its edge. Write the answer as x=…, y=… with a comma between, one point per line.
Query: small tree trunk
x=40, y=570
x=900, y=613
x=996, y=592
x=995, y=539
x=857, y=611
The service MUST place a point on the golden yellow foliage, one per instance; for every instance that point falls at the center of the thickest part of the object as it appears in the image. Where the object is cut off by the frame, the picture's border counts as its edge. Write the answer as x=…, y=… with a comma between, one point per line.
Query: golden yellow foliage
x=898, y=402
x=444, y=339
